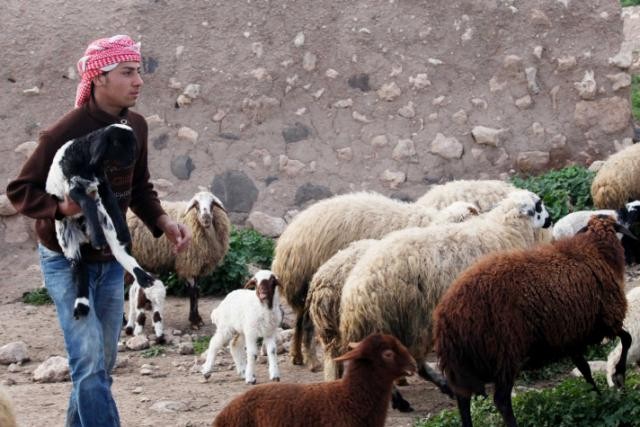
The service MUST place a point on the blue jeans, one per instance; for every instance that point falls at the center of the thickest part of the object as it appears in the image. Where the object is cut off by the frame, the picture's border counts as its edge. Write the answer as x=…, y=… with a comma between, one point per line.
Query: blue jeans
x=92, y=341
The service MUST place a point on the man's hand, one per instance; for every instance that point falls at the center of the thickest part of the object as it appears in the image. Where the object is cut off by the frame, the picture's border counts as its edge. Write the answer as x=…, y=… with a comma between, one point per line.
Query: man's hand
x=68, y=207
x=177, y=233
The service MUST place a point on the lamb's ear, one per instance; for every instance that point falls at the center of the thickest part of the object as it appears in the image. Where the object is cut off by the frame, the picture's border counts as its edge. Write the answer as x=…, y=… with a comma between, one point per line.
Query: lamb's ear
x=624, y=230
x=251, y=284
x=473, y=211
x=353, y=353
x=98, y=148
x=193, y=203
x=275, y=280
x=582, y=230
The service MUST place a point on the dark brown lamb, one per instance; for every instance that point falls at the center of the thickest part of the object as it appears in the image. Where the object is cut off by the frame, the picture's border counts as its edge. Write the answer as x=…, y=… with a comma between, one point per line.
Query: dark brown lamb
x=361, y=398
x=523, y=309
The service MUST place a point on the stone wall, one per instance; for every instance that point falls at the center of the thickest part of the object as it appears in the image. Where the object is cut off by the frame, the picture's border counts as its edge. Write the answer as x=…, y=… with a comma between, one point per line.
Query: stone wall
x=274, y=104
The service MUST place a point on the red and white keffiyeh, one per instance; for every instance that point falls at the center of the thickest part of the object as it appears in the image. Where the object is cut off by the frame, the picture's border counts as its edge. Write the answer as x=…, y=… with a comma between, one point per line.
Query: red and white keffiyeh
x=103, y=55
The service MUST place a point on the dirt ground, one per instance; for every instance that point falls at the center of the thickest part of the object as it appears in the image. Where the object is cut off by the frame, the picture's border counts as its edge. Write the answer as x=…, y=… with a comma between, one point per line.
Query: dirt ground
x=44, y=405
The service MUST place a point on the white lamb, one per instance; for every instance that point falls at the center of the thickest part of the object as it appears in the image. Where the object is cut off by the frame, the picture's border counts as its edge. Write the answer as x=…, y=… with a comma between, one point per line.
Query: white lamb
x=631, y=325
x=142, y=300
x=244, y=317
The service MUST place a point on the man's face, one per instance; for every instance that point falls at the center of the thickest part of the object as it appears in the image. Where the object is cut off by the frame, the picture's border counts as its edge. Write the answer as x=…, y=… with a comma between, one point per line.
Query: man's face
x=121, y=86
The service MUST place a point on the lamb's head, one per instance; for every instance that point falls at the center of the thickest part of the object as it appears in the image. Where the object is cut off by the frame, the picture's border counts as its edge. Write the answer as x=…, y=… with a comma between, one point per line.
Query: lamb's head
x=525, y=204
x=385, y=353
x=204, y=202
x=630, y=214
x=114, y=144
x=265, y=284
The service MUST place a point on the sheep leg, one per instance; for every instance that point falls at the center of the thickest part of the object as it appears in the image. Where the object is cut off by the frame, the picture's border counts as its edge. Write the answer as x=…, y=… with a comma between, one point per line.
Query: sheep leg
x=194, y=315
x=621, y=366
x=272, y=356
x=133, y=292
x=90, y=211
x=157, y=294
x=251, y=342
x=295, y=352
x=330, y=367
x=398, y=402
x=236, y=348
x=113, y=209
x=429, y=374
x=584, y=368
x=217, y=342
x=464, y=407
x=502, y=400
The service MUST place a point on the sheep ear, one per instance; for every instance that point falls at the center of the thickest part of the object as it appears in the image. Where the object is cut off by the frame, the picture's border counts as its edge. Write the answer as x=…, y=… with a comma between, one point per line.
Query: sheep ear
x=251, y=284
x=582, y=230
x=624, y=230
x=473, y=211
x=217, y=202
x=192, y=204
x=354, y=353
x=275, y=280
x=98, y=148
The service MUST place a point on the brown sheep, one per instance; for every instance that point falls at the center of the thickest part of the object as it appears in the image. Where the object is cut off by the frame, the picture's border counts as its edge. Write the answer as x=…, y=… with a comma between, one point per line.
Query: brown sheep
x=361, y=398
x=523, y=309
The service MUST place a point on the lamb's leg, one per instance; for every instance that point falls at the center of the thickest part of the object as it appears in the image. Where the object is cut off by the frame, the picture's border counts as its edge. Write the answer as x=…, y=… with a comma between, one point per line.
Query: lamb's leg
x=621, y=366
x=295, y=352
x=584, y=368
x=251, y=342
x=426, y=372
x=157, y=294
x=502, y=400
x=70, y=236
x=236, y=348
x=194, y=315
x=218, y=341
x=133, y=300
x=464, y=407
x=142, y=306
x=90, y=211
x=272, y=356
x=113, y=209
x=81, y=276
x=398, y=402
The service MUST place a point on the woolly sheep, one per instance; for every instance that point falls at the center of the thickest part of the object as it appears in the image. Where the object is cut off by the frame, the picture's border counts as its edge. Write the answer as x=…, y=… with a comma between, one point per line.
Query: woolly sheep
x=207, y=219
x=325, y=227
x=618, y=180
x=483, y=193
x=7, y=418
x=322, y=306
x=359, y=399
x=397, y=283
x=78, y=172
x=508, y=312
x=243, y=317
x=631, y=325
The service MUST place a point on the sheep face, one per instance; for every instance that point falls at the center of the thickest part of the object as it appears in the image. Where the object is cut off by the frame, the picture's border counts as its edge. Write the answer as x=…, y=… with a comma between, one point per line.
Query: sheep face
x=204, y=203
x=385, y=352
x=630, y=214
x=114, y=144
x=265, y=283
x=532, y=206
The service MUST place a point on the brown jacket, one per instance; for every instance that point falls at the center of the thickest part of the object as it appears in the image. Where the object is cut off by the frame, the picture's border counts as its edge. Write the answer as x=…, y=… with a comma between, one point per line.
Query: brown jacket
x=131, y=186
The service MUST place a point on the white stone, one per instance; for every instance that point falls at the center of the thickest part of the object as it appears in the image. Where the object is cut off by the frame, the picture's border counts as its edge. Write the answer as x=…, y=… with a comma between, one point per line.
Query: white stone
x=495, y=85
x=26, y=148
x=486, y=135
x=532, y=79
x=309, y=61
x=479, y=103
x=169, y=406
x=266, y=225
x=404, y=150
x=345, y=154
x=619, y=80
x=32, y=91
x=459, y=117
x=438, y=100
x=449, y=148
x=389, y=91
x=393, y=178
x=565, y=63
x=379, y=141
x=188, y=134
x=524, y=102
x=537, y=52
x=174, y=84
x=434, y=61
x=317, y=94
x=179, y=50
x=54, y=369
x=257, y=49
x=219, y=115
x=139, y=342
x=420, y=81
x=408, y=111
x=587, y=88
x=154, y=121
x=331, y=73
x=183, y=100
x=260, y=74
x=14, y=352
x=359, y=117
x=622, y=60
x=192, y=90
x=343, y=103
x=298, y=40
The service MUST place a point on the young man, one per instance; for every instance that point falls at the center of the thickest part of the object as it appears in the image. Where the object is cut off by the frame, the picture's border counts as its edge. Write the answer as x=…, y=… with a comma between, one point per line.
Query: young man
x=110, y=84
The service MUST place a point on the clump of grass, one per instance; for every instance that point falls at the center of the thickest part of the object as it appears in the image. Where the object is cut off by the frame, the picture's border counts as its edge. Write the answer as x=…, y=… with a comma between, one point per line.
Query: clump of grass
x=153, y=351
x=201, y=344
x=38, y=296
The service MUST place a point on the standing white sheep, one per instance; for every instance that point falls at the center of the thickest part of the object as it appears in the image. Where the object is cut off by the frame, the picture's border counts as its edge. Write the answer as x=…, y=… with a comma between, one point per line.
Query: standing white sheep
x=632, y=325
x=207, y=219
x=396, y=284
x=484, y=193
x=325, y=227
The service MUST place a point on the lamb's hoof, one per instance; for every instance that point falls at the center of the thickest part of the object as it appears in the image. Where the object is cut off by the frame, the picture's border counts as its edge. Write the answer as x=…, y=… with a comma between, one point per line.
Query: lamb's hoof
x=251, y=382
x=400, y=404
x=206, y=375
x=128, y=330
x=296, y=359
x=618, y=381
x=402, y=381
x=315, y=367
x=80, y=310
x=161, y=339
x=276, y=379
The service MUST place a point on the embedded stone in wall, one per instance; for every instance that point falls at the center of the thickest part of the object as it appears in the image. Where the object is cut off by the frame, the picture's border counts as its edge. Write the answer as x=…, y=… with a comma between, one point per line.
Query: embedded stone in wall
x=149, y=64
x=524, y=102
x=236, y=190
x=459, y=117
x=295, y=133
x=619, y=80
x=587, y=86
x=408, y=111
x=607, y=115
x=532, y=79
x=486, y=135
x=290, y=167
x=309, y=61
x=449, y=148
x=160, y=141
x=309, y=191
x=379, y=141
x=266, y=225
x=188, y=134
x=532, y=161
x=389, y=91
x=345, y=154
x=393, y=178
x=182, y=166
x=565, y=63
x=405, y=150
x=420, y=81
x=540, y=19
x=360, y=81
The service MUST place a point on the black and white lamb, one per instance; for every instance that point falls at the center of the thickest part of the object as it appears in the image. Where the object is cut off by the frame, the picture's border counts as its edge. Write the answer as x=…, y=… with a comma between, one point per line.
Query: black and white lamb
x=78, y=171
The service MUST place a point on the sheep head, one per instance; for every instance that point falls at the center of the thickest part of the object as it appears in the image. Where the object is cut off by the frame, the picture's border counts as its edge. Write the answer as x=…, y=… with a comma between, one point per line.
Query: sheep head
x=629, y=215
x=265, y=283
x=384, y=352
x=527, y=204
x=114, y=144
x=204, y=203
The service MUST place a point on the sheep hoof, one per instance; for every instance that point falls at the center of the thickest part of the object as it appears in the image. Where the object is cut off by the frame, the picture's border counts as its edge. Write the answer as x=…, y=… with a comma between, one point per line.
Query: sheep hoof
x=297, y=360
x=276, y=379
x=400, y=404
x=618, y=380
x=252, y=382
x=128, y=330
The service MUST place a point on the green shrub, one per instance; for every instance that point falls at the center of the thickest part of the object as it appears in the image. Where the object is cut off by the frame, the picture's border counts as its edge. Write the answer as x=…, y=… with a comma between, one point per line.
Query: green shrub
x=201, y=345
x=625, y=3
x=153, y=351
x=246, y=246
x=571, y=403
x=38, y=296
x=635, y=93
x=563, y=191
